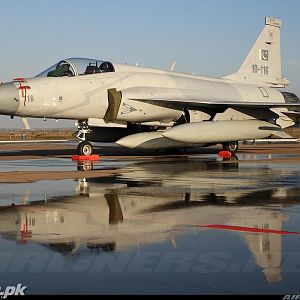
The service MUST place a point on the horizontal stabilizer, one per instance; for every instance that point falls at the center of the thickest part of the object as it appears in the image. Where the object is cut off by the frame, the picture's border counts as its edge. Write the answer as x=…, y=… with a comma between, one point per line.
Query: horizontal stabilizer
x=294, y=115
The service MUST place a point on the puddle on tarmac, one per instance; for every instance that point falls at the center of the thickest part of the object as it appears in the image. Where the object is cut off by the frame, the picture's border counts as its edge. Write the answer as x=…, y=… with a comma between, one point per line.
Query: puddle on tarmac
x=66, y=164
x=162, y=226
x=54, y=164
x=24, y=193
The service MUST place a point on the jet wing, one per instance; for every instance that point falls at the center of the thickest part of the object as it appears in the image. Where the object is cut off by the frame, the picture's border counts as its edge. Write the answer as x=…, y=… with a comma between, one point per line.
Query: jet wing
x=181, y=99
x=217, y=104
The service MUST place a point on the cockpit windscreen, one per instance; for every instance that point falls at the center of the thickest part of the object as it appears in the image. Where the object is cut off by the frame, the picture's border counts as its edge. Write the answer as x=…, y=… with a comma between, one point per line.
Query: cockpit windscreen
x=78, y=67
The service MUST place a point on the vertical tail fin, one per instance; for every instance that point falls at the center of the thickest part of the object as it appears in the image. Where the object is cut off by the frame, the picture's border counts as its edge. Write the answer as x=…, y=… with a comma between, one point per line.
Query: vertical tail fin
x=263, y=63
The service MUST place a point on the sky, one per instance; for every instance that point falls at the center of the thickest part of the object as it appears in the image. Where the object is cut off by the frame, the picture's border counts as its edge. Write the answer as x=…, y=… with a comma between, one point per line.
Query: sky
x=207, y=37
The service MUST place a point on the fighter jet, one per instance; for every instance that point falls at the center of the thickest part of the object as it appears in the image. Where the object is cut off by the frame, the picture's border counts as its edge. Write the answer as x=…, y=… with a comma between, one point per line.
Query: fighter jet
x=144, y=108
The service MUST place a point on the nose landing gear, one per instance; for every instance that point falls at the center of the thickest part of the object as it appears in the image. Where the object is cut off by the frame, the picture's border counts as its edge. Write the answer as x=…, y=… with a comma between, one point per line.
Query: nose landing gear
x=84, y=148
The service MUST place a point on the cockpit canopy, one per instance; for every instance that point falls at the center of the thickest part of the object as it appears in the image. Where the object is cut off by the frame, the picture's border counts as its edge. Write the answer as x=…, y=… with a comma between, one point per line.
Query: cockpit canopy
x=77, y=67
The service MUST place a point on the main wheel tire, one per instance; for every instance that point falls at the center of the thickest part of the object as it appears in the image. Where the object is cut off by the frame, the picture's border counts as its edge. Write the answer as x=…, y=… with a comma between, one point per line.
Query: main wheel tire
x=232, y=147
x=85, y=149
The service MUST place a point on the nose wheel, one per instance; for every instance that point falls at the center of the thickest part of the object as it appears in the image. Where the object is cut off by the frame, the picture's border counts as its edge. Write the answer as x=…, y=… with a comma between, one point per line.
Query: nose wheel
x=85, y=149
x=232, y=147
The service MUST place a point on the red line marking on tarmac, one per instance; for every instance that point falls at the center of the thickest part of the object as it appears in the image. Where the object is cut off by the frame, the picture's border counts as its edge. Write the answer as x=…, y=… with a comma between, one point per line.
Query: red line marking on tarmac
x=226, y=227
x=248, y=229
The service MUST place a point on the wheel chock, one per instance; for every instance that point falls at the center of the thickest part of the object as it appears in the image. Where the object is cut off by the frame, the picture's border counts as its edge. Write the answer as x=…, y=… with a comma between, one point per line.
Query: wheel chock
x=85, y=158
x=225, y=154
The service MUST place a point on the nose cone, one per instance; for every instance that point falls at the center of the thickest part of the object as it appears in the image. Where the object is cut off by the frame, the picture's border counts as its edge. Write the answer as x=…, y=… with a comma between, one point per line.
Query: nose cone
x=9, y=99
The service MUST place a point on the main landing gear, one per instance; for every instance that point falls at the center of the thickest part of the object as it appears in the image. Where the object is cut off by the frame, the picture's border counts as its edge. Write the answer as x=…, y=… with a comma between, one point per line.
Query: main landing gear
x=84, y=148
x=232, y=147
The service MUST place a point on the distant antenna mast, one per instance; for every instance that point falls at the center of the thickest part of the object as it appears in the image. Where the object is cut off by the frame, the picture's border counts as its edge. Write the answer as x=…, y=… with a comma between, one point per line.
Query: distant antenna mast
x=173, y=66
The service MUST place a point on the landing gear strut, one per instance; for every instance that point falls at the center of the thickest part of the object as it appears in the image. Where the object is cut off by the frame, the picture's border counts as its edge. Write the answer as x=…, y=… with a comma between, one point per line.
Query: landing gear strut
x=84, y=148
x=232, y=147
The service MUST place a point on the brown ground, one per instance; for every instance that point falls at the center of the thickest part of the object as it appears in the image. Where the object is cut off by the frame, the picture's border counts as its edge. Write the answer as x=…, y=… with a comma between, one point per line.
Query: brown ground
x=36, y=134
x=47, y=150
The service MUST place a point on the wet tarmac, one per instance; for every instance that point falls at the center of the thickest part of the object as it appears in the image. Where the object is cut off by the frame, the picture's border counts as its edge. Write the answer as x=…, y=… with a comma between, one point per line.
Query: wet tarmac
x=153, y=224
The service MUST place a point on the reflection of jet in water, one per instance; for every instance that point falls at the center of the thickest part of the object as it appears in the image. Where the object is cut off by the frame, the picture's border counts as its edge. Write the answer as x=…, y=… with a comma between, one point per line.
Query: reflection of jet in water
x=128, y=212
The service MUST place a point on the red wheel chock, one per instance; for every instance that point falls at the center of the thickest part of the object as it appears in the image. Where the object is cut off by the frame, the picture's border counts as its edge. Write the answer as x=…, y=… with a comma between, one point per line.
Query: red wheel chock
x=225, y=154
x=85, y=158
